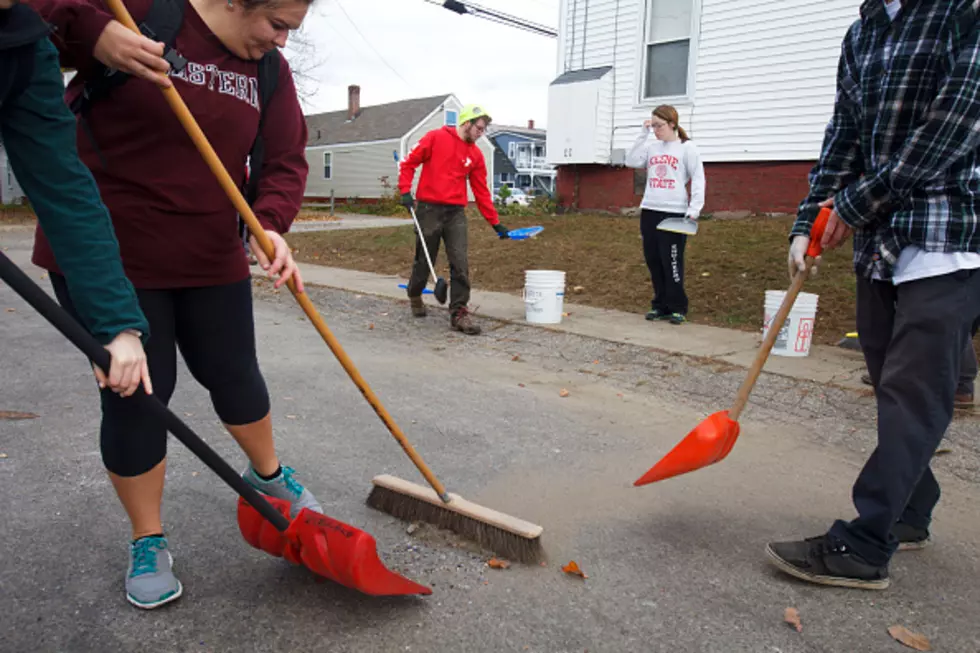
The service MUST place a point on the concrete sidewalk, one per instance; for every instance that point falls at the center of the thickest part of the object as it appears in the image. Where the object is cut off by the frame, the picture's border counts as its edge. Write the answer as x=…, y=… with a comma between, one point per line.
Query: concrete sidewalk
x=825, y=364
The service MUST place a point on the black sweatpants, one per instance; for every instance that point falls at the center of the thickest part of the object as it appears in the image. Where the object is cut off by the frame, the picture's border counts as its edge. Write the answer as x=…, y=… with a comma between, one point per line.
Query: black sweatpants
x=912, y=336
x=443, y=222
x=664, y=253
x=214, y=328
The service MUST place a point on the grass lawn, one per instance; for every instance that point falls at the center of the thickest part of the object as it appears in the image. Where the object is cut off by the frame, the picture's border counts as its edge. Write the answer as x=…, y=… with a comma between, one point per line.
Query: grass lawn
x=729, y=265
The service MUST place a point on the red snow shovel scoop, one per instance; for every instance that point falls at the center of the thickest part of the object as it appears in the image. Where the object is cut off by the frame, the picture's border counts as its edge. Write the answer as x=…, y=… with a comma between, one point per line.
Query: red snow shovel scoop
x=326, y=546
x=714, y=437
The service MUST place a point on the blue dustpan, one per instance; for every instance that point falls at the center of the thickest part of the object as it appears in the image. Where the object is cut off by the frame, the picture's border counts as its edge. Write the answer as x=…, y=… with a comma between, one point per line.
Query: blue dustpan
x=525, y=233
x=426, y=291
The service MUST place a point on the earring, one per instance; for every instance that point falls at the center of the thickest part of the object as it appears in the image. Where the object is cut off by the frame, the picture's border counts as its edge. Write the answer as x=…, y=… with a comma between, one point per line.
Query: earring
x=231, y=4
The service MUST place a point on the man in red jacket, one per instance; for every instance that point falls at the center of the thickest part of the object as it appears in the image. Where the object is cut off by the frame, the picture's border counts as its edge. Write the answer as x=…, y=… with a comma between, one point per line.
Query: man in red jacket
x=450, y=157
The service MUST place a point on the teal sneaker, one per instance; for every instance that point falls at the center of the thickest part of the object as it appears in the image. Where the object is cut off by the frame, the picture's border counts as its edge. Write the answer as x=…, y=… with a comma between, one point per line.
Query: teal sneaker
x=150, y=580
x=284, y=487
x=677, y=318
x=656, y=314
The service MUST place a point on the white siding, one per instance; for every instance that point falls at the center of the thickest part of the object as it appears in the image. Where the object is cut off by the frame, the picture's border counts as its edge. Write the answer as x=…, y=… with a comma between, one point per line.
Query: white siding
x=357, y=170
x=10, y=192
x=763, y=76
x=766, y=75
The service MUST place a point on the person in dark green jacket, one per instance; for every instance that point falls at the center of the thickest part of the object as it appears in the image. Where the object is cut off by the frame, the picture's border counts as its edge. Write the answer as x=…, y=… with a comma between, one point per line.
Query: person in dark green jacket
x=38, y=132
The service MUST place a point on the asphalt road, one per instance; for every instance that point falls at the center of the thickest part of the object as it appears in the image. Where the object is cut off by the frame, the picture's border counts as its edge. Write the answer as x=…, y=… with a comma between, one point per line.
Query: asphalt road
x=676, y=566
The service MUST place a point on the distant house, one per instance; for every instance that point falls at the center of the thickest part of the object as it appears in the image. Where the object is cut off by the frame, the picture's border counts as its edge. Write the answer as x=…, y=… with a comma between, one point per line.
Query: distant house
x=526, y=150
x=754, y=82
x=351, y=152
x=10, y=191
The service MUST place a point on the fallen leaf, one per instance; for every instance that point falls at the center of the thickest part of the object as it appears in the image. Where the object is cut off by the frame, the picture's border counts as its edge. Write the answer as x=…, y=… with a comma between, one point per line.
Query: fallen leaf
x=371, y=327
x=515, y=359
x=3, y=455
x=290, y=417
x=910, y=639
x=942, y=451
x=573, y=569
x=11, y=310
x=565, y=314
x=792, y=617
x=494, y=563
x=595, y=362
x=520, y=385
x=194, y=473
x=564, y=393
x=705, y=274
x=17, y=415
x=412, y=528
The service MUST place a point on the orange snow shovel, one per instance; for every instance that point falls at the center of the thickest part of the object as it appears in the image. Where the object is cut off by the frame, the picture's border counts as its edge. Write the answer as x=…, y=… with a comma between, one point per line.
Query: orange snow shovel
x=714, y=437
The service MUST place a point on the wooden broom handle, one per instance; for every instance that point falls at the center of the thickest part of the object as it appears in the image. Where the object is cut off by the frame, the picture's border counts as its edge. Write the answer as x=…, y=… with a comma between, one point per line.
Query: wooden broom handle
x=767, y=344
x=235, y=195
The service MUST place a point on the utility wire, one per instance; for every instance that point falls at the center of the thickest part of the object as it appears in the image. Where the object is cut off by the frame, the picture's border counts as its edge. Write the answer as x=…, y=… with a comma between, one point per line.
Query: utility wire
x=383, y=60
x=495, y=16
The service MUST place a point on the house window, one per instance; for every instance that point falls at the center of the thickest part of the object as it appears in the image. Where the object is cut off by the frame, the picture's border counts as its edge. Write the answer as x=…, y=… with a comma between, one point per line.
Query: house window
x=512, y=150
x=668, y=47
x=328, y=165
x=451, y=117
x=504, y=177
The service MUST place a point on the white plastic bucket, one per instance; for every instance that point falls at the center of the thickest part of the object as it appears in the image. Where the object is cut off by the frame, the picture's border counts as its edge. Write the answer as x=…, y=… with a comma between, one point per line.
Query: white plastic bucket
x=544, y=296
x=797, y=333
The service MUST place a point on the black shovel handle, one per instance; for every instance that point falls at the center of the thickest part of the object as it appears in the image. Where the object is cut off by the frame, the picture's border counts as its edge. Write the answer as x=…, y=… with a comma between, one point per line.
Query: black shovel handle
x=61, y=320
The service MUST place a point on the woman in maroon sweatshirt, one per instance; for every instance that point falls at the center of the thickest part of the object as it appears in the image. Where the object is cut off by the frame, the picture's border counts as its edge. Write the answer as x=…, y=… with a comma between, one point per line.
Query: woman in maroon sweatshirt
x=178, y=232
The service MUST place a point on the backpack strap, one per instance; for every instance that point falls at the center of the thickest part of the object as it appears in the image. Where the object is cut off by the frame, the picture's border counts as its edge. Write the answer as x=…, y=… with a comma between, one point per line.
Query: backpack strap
x=268, y=80
x=161, y=23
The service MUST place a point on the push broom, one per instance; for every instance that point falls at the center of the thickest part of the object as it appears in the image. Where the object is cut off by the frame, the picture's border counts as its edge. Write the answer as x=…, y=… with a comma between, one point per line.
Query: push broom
x=505, y=535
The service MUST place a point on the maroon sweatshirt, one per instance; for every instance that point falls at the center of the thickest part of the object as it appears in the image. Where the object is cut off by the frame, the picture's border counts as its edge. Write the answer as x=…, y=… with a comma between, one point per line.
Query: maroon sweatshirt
x=176, y=227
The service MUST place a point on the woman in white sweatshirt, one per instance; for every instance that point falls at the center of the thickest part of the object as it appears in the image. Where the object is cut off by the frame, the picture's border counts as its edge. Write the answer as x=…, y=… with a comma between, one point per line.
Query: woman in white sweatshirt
x=671, y=161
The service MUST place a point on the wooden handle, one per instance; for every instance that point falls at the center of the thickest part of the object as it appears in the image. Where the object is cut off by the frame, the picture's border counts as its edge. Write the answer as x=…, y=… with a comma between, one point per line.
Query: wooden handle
x=238, y=200
x=767, y=344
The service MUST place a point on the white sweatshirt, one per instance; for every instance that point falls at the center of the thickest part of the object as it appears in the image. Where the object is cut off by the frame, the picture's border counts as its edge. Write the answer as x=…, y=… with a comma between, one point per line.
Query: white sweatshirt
x=670, y=165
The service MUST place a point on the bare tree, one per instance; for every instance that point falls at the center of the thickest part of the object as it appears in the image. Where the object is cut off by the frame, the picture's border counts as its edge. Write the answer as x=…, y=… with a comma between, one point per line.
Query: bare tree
x=304, y=62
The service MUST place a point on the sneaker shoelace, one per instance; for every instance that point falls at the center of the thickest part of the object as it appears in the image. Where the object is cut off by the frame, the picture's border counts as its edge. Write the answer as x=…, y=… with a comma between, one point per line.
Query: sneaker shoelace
x=145, y=555
x=291, y=484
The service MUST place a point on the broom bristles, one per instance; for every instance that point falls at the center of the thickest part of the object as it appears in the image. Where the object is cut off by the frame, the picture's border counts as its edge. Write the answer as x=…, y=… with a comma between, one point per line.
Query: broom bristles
x=504, y=543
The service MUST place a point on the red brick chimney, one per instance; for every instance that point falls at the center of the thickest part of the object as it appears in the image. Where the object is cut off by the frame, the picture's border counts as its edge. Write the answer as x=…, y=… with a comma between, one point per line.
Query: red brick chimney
x=353, y=101
x=530, y=124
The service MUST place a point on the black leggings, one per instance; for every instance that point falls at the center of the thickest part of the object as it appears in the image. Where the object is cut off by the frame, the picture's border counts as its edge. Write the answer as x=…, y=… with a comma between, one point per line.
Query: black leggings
x=214, y=328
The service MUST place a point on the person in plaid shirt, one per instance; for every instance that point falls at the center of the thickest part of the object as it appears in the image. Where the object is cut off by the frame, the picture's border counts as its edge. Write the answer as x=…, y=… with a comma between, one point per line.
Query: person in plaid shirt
x=900, y=167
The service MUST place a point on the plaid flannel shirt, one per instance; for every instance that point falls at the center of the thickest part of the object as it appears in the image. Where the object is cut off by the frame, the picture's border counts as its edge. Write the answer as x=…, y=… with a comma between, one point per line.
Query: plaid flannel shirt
x=901, y=154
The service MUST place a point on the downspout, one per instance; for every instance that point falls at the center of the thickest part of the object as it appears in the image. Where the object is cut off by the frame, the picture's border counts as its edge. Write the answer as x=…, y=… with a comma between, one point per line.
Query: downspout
x=615, y=73
x=585, y=32
x=571, y=53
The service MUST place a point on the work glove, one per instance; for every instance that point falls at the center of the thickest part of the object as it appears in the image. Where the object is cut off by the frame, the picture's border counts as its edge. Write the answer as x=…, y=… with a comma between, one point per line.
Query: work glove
x=797, y=257
x=408, y=201
x=502, y=231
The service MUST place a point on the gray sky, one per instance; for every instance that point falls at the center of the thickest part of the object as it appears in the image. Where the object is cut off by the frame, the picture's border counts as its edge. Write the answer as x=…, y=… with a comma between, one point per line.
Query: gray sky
x=400, y=49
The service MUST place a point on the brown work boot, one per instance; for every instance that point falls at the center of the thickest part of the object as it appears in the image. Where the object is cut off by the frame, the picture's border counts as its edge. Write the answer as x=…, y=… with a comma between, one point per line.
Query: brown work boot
x=461, y=321
x=418, y=308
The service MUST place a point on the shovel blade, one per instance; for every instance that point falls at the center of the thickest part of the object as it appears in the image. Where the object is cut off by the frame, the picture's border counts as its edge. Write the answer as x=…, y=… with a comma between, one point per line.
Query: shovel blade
x=442, y=290
x=328, y=548
x=707, y=444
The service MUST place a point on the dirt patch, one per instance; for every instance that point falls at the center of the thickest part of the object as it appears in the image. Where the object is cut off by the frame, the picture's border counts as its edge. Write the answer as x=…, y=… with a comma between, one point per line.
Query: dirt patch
x=730, y=264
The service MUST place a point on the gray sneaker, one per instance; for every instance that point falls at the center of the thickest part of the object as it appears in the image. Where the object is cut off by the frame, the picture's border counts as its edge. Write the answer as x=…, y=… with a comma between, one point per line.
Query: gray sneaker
x=150, y=581
x=284, y=487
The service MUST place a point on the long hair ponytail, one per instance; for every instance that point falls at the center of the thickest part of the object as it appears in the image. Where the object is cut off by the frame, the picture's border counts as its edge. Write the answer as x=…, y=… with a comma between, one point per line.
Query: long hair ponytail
x=669, y=114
